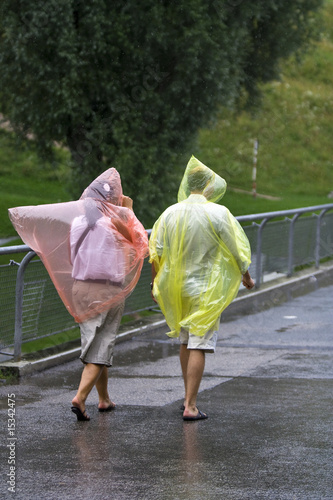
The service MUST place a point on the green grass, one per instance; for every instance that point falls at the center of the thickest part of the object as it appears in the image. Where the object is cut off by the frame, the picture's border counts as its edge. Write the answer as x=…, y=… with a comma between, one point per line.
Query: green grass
x=294, y=127
x=27, y=180
x=49, y=342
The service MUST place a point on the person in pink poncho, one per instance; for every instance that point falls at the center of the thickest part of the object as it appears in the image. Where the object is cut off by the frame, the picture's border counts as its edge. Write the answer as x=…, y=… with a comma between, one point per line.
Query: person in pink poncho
x=93, y=249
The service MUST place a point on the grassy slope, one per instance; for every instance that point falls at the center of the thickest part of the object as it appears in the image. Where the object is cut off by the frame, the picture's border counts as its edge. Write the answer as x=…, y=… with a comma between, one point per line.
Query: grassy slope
x=294, y=128
x=27, y=180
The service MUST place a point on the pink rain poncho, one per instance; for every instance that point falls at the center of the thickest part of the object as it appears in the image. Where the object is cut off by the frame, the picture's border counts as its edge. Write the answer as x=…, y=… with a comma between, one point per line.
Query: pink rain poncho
x=199, y=251
x=92, y=240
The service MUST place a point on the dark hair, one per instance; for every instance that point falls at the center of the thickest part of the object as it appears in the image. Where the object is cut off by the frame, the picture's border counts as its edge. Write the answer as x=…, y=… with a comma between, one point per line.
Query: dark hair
x=198, y=178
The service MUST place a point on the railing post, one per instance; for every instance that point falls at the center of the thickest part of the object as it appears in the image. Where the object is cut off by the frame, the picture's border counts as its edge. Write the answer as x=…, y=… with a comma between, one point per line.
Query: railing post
x=259, y=247
x=19, y=304
x=317, y=247
x=291, y=245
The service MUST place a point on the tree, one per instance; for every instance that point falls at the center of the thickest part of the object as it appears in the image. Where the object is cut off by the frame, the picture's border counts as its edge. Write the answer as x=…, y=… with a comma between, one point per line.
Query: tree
x=128, y=84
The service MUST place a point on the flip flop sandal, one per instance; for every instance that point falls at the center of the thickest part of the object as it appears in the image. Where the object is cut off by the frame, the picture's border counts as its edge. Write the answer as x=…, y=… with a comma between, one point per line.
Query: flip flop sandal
x=80, y=415
x=109, y=408
x=200, y=416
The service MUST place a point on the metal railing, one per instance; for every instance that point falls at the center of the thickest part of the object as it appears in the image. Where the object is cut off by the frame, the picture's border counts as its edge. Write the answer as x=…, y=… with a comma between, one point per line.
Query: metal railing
x=280, y=241
x=321, y=241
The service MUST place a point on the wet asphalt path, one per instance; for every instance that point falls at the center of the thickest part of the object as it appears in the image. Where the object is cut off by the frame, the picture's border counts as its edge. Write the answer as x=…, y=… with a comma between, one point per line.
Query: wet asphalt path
x=267, y=390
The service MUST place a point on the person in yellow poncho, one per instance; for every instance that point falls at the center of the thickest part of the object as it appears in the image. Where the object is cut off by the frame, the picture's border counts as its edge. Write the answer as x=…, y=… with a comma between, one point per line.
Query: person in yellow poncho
x=199, y=255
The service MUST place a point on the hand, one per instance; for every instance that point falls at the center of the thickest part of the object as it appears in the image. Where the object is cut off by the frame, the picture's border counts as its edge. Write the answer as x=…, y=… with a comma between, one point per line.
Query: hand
x=248, y=281
x=151, y=292
x=127, y=202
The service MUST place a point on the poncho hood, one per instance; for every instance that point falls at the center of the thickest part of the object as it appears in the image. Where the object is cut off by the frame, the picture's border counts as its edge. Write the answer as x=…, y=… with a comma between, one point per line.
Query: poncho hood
x=199, y=178
x=106, y=187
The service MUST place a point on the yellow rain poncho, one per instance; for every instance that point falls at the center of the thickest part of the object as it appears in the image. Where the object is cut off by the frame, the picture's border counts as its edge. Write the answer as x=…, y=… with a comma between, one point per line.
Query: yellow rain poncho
x=199, y=251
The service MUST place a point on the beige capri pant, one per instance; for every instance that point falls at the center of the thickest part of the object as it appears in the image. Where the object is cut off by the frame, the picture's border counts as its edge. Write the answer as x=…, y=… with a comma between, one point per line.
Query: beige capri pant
x=98, y=334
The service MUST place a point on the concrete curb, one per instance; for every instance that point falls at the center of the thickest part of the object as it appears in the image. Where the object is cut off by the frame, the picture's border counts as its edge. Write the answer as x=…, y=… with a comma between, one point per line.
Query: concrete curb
x=271, y=294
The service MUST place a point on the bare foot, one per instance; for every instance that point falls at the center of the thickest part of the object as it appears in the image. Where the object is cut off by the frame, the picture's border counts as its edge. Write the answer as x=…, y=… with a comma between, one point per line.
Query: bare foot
x=81, y=414
x=191, y=412
x=106, y=405
x=199, y=416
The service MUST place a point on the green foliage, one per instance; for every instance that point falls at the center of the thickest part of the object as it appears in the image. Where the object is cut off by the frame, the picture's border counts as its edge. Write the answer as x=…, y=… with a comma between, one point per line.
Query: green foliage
x=129, y=84
x=294, y=128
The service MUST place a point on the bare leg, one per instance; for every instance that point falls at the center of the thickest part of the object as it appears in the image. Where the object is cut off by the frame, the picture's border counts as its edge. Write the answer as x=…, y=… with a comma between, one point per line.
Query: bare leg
x=193, y=364
x=102, y=389
x=89, y=377
x=184, y=355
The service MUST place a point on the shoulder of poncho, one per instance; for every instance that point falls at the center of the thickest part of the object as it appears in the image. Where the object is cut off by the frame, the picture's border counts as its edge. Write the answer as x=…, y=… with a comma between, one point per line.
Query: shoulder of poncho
x=217, y=208
x=208, y=207
x=171, y=209
x=213, y=208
